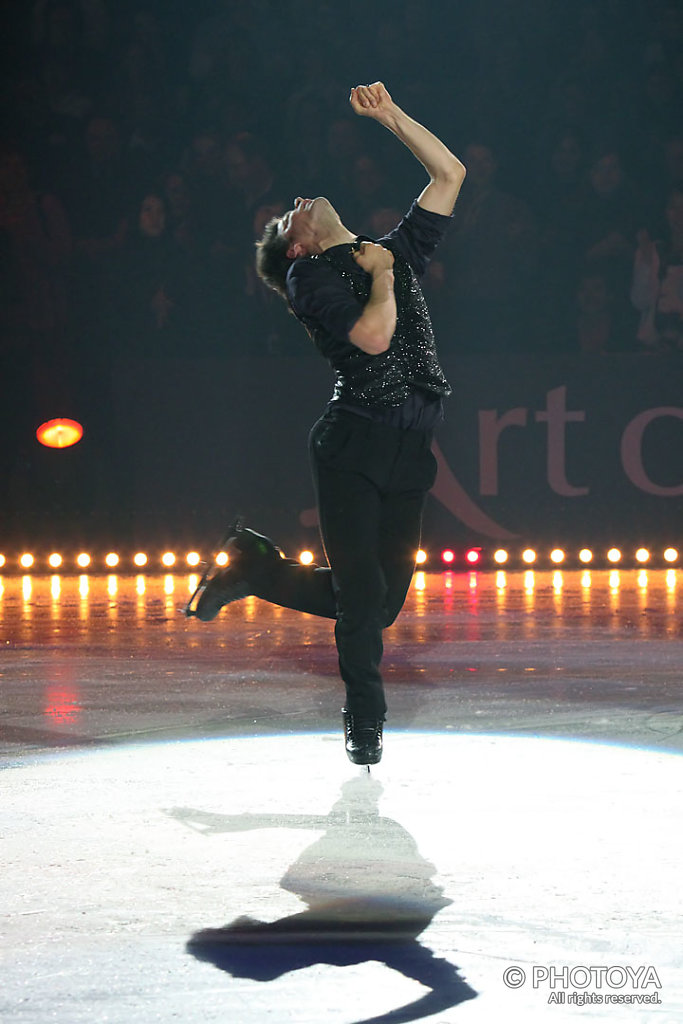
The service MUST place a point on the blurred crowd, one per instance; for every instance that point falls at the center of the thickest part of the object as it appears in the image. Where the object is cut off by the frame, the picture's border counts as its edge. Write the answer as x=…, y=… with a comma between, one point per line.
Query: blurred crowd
x=145, y=145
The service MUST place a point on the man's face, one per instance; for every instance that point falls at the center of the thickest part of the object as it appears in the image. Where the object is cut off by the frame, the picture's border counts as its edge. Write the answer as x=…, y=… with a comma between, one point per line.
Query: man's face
x=307, y=223
x=152, y=217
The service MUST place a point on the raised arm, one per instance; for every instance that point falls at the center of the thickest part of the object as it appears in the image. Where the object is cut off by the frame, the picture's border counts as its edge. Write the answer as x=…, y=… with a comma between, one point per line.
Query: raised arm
x=446, y=172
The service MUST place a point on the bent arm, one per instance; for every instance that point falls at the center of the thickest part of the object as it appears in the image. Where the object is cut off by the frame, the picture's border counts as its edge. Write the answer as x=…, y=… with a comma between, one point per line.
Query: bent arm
x=446, y=172
x=319, y=296
x=375, y=327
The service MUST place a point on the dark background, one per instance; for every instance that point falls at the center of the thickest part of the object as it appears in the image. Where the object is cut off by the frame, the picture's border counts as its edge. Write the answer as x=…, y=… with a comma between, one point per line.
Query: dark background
x=142, y=149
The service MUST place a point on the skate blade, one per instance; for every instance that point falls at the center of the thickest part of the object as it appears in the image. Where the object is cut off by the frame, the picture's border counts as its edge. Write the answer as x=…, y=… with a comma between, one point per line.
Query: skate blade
x=190, y=608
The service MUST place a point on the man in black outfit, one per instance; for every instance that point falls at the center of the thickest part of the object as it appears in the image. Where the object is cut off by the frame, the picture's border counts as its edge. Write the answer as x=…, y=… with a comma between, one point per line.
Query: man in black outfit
x=361, y=304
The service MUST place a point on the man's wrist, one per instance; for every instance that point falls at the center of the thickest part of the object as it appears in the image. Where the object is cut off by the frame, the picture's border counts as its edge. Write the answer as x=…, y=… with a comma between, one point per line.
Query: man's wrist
x=383, y=272
x=393, y=118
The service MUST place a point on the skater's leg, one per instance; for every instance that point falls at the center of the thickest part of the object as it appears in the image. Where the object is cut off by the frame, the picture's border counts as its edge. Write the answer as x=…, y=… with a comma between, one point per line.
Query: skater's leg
x=401, y=522
x=345, y=457
x=399, y=543
x=401, y=465
x=349, y=521
x=304, y=588
x=257, y=567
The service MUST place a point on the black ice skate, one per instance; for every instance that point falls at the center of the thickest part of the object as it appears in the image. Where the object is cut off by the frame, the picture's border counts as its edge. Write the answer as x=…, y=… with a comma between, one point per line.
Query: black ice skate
x=250, y=556
x=363, y=739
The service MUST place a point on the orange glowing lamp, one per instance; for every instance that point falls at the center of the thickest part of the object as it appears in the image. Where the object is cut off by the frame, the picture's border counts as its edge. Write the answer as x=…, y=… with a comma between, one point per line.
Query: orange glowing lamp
x=59, y=433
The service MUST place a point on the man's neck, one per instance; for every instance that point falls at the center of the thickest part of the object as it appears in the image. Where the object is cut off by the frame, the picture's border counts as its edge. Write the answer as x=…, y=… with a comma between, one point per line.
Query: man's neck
x=339, y=236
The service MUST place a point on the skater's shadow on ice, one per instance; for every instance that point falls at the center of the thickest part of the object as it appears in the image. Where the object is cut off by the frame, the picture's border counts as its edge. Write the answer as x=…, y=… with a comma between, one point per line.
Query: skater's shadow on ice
x=370, y=895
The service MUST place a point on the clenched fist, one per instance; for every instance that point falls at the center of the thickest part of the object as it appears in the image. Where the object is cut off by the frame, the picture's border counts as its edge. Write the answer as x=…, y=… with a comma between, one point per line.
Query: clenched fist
x=372, y=101
x=373, y=258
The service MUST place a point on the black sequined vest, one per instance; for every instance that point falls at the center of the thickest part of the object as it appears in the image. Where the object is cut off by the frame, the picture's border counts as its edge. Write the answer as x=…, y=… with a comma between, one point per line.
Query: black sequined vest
x=409, y=363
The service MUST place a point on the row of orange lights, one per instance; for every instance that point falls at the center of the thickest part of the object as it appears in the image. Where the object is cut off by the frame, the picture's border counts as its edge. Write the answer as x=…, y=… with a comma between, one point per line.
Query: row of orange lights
x=529, y=556
x=112, y=560
x=472, y=558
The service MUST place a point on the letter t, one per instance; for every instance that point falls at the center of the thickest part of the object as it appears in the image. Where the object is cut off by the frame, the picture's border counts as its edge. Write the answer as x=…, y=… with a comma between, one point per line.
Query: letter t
x=556, y=416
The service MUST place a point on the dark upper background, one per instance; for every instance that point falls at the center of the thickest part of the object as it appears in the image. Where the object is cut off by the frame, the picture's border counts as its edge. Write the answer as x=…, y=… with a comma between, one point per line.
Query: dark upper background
x=144, y=146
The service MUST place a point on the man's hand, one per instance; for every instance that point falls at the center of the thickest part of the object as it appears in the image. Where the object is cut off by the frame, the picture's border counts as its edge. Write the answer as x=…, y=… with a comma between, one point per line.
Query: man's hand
x=372, y=101
x=373, y=258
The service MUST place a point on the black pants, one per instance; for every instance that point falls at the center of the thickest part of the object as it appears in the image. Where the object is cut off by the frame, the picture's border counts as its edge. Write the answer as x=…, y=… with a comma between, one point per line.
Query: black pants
x=371, y=482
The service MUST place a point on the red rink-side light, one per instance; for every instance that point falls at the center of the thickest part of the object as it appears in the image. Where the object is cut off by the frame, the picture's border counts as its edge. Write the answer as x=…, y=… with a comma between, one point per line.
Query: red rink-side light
x=448, y=557
x=59, y=433
x=473, y=556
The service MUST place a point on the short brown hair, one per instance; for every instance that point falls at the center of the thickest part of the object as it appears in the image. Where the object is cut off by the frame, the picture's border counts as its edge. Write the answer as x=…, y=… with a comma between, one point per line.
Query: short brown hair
x=272, y=261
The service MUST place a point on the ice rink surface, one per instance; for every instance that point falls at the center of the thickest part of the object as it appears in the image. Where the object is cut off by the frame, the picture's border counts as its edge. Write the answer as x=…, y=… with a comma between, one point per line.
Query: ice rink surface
x=183, y=838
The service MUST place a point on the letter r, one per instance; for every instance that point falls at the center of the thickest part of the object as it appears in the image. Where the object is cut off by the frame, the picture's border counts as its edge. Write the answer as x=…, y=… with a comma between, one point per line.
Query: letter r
x=490, y=429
